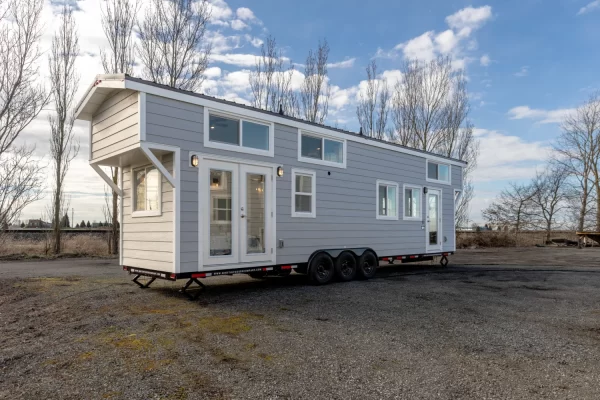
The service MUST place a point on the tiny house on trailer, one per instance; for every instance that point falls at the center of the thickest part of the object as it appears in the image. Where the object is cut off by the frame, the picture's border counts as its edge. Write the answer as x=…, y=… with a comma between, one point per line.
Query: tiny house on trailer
x=211, y=187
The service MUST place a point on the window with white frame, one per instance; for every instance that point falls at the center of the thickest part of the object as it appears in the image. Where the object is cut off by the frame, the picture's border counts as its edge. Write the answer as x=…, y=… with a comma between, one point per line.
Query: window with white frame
x=321, y=150
x=238, y=134
x=303, y=193
x=146, y=190
x=437, y=172
x=387, y=200
x=412, y=202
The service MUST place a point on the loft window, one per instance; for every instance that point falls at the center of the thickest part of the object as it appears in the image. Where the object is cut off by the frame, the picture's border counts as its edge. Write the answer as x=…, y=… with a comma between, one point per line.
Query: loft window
x=238, y=134
x=437, y=172
x=321, y=150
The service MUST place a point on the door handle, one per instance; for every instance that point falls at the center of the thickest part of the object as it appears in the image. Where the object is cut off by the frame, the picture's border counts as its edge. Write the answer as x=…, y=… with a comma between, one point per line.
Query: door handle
x=243, y=216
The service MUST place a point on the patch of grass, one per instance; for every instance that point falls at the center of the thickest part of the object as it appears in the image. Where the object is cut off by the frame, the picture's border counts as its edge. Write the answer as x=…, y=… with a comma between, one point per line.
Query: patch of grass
x=223, y=357
x=88, y=355
x=111, y=395
x=265, y=356
x=179, y=394
x=250, y=346
x=227, y=325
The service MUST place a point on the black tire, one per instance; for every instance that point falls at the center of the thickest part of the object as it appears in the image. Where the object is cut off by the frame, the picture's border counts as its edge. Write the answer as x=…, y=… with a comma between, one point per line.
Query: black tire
x=258, y=275
x=367, y=265
x=345, y=266
x=321, y=269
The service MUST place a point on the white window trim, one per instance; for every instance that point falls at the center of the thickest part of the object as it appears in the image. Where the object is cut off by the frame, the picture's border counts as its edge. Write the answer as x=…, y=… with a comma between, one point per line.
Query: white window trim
x=322, y=162
x=238, y=148
x=313, y=208
x=386, y=183
x=420, y=189
x=448, y=182
x=144, y=213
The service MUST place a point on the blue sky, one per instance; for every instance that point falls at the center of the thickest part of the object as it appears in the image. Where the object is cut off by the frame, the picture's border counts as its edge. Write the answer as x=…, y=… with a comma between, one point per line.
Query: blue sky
x=529, y=62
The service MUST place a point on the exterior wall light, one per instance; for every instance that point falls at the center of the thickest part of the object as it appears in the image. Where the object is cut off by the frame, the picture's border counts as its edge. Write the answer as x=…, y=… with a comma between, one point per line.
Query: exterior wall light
x=280, y=171
x=194, y=161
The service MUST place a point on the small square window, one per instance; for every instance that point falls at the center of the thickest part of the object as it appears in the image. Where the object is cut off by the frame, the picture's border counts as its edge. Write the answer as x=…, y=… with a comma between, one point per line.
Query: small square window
x=387, y=200
x=255, y=136
x=224, y=130
x=311, y=147
x=437, y=172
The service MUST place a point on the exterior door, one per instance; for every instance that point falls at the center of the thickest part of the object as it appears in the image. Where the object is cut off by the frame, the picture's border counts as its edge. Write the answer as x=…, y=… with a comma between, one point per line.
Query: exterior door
x=255, y=213
x=238, y=213
x=433, y=225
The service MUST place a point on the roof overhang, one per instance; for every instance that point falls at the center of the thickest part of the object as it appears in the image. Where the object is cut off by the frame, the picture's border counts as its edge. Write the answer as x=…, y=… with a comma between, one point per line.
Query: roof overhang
x=102, y=88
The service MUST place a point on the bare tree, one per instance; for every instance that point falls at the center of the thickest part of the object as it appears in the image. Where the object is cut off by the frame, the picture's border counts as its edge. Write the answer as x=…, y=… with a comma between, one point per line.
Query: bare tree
x=513, y=208
x=64, y=80
x=118, y=19
x=21, y=100
x=430, y=110
x=550, y=197
x=578, y=148
x=315, y=90
x=173, y=47
x=271, y=81
x=373, y=105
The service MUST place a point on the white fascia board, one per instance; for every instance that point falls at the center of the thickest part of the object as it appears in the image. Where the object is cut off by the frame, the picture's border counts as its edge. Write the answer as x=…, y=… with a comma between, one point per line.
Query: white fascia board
x=99, y=82
x=218, y=106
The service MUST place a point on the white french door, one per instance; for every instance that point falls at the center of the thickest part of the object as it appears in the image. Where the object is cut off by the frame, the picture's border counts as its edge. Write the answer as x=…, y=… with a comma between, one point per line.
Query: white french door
x=238, y=219
x=433, y=225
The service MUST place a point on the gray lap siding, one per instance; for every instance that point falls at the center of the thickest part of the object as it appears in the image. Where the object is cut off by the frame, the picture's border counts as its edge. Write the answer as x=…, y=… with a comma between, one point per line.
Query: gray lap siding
x=345, y=198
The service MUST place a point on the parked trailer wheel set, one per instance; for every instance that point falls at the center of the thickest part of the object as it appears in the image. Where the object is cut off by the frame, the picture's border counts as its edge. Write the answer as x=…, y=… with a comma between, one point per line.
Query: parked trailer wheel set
x=325, y=266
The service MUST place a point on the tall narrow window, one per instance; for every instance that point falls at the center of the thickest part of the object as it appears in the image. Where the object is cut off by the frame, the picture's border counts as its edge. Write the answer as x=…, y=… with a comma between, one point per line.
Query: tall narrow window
x=387, y=200
x=303, y=194
x=412, y=203
x=146, y=190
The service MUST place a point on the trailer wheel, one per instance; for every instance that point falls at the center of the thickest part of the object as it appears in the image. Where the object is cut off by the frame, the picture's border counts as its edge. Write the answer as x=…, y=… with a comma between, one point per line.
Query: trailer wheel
x=367, y=265
x=321, y=269
x=345, y=266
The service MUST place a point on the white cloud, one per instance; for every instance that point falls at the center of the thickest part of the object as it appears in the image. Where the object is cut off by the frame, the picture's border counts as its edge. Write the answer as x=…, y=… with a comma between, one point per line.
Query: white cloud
x=446, y=41
x=594, y=5
x=238, y=25
x=453, y=42
x=245, y=14
x=524, y=71
x=349, y=63
x=541, y=116
x=241, y=60
x=212, y=72
x=392, y=76
x=507, y=157
x=219, y=10
x=254, y=41
x=420, y=48
x=469, y=19
x=485, y=60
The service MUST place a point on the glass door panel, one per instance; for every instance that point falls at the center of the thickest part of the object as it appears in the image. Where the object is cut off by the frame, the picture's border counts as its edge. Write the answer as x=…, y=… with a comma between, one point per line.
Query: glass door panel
x=433, y=225
x=255, y=198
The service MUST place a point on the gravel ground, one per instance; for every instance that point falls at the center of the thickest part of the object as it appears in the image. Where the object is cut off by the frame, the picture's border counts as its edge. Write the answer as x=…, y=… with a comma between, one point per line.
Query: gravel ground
x=415, y=332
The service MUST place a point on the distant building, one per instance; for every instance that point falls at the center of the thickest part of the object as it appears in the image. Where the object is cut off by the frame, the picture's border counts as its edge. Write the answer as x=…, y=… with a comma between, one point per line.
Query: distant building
x=38, y=223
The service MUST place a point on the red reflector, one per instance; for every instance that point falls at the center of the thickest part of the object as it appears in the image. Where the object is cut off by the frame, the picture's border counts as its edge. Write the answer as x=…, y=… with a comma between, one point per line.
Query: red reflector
x=198, y=275
x=172, y=276
x=444, y=254
x=286, y=267
x=414, y=256
x=124, y=268
x=398, y=258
